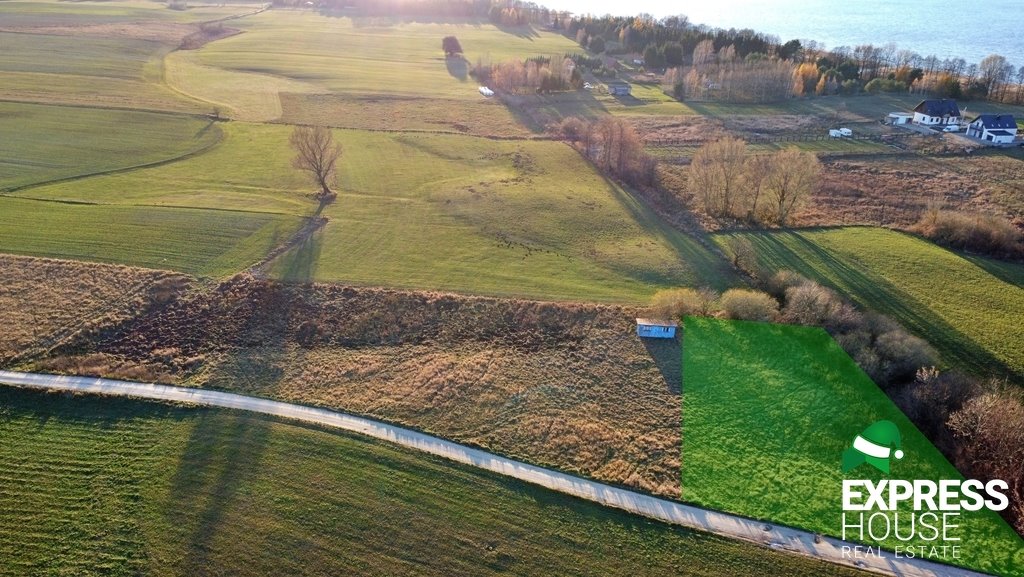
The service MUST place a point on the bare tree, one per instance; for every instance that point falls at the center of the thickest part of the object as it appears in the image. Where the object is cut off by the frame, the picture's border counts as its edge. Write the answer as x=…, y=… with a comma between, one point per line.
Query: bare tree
x=317, y=154
x=791, y=180
x=716, y=175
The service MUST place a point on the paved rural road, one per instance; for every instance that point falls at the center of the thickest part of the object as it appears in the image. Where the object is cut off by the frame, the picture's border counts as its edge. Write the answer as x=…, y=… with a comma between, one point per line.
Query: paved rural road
x=780, y=538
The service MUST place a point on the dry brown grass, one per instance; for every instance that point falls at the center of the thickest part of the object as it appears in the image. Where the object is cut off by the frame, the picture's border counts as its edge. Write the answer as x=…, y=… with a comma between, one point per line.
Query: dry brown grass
x=46, y=302
x=896, y=191
x=564, y=385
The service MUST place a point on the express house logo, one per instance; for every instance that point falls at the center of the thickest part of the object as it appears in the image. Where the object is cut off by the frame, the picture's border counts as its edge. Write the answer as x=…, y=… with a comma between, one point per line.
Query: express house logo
x=921, y=516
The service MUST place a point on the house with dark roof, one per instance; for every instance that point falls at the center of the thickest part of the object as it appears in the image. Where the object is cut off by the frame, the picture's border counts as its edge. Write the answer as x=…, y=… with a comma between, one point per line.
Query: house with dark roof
x=994, y=128
x=937, y=112
x=618, y=87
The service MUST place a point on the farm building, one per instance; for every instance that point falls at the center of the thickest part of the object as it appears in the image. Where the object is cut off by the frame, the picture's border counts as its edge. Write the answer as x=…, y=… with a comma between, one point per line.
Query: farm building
x=618, y=87
x=994, y=128
x=897, y=118
x=656, y=329
x=937, y=112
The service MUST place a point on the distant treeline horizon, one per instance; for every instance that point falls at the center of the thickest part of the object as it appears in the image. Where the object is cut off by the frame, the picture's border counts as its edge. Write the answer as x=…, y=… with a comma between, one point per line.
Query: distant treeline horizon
x=698, y=58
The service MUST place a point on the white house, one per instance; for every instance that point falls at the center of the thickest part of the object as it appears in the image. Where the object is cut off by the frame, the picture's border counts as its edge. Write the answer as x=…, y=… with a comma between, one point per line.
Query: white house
x=897, y=118
x=656, y=328
x=994, y=128
x=937, y=112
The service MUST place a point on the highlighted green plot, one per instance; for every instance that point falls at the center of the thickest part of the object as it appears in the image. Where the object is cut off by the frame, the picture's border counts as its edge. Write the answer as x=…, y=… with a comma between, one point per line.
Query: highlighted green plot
x=768, y=411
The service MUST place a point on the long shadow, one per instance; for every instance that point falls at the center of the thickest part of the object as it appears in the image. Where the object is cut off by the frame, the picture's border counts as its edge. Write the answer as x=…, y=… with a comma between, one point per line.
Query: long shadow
x=876, y=293
x=526, y=32
x=667, y=355
x=300, y=264
x=222, y=449
x=698, y=254
x=1008, y=272
x=457, y=67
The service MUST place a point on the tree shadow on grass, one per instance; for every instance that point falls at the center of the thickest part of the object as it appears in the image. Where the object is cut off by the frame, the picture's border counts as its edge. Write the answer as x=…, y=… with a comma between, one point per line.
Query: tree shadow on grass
x=222, y=453
x=458, y=67
x=300, y=264
x=876, y=293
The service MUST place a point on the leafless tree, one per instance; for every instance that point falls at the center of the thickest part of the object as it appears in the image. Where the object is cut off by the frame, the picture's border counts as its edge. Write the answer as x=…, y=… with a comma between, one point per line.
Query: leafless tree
x=716, y=175
x=791, y=180
x=318, y=154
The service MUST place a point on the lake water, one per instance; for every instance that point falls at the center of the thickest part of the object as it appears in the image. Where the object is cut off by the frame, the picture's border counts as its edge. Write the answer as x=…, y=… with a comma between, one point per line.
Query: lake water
x=969, y=30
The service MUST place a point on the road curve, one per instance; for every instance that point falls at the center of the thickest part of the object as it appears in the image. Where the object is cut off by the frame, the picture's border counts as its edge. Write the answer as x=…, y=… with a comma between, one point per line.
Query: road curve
x=775, y=537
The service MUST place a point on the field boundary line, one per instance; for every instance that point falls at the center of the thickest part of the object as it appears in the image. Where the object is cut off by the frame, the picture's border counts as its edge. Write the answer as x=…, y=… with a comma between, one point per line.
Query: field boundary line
x=779, y=538
x=154, y=164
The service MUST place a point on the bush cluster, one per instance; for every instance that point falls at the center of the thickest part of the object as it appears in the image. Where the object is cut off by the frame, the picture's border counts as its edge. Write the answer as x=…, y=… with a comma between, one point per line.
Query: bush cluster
x=880, y=346
x=980, y=233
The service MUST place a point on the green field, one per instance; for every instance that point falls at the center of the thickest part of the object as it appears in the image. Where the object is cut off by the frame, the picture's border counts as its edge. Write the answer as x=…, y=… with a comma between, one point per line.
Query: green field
x=768, y=411
x=526, y=218
x=108, y=70
x=92, y=486
x=249, y=170
x=651, y=100
x=470, y=214
x=203, y=242
x=299, y=53
x=78, y=13
x=40, y=143
x=969, y=308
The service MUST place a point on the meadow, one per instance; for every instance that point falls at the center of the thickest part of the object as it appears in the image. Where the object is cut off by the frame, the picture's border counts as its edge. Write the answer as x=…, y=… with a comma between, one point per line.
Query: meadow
x=102, y=486
x=113, y=68
x=48, y=301
x=524, y=218
x=204, y=242
x=451, y=212
x=19, y=14
x=967, y=307
x=768, y=411
x=44, y=143
x=343, y=70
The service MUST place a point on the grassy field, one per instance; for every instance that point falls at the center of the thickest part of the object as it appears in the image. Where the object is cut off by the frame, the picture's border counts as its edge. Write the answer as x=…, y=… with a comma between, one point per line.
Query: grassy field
x=524, y=218
x=967, y=307
x=40, y=143
x=374, y=56
x=357, y=63
x=132, y=488
x=203, y=242
x=18, y=14
x=249, y=170
x=768, y=411
x=493, y=217
x=650, y=100
x=111, y=70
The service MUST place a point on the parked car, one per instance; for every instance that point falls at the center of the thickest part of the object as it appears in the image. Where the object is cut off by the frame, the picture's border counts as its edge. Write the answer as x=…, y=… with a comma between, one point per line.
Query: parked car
x=951, y=128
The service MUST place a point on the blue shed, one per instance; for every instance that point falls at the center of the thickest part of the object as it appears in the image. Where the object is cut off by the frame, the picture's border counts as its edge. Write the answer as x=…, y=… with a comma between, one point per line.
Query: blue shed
x=656, y=329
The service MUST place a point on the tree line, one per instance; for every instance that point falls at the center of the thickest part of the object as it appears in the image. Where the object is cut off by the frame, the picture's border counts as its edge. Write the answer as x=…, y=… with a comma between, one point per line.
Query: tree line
x=744, y=65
